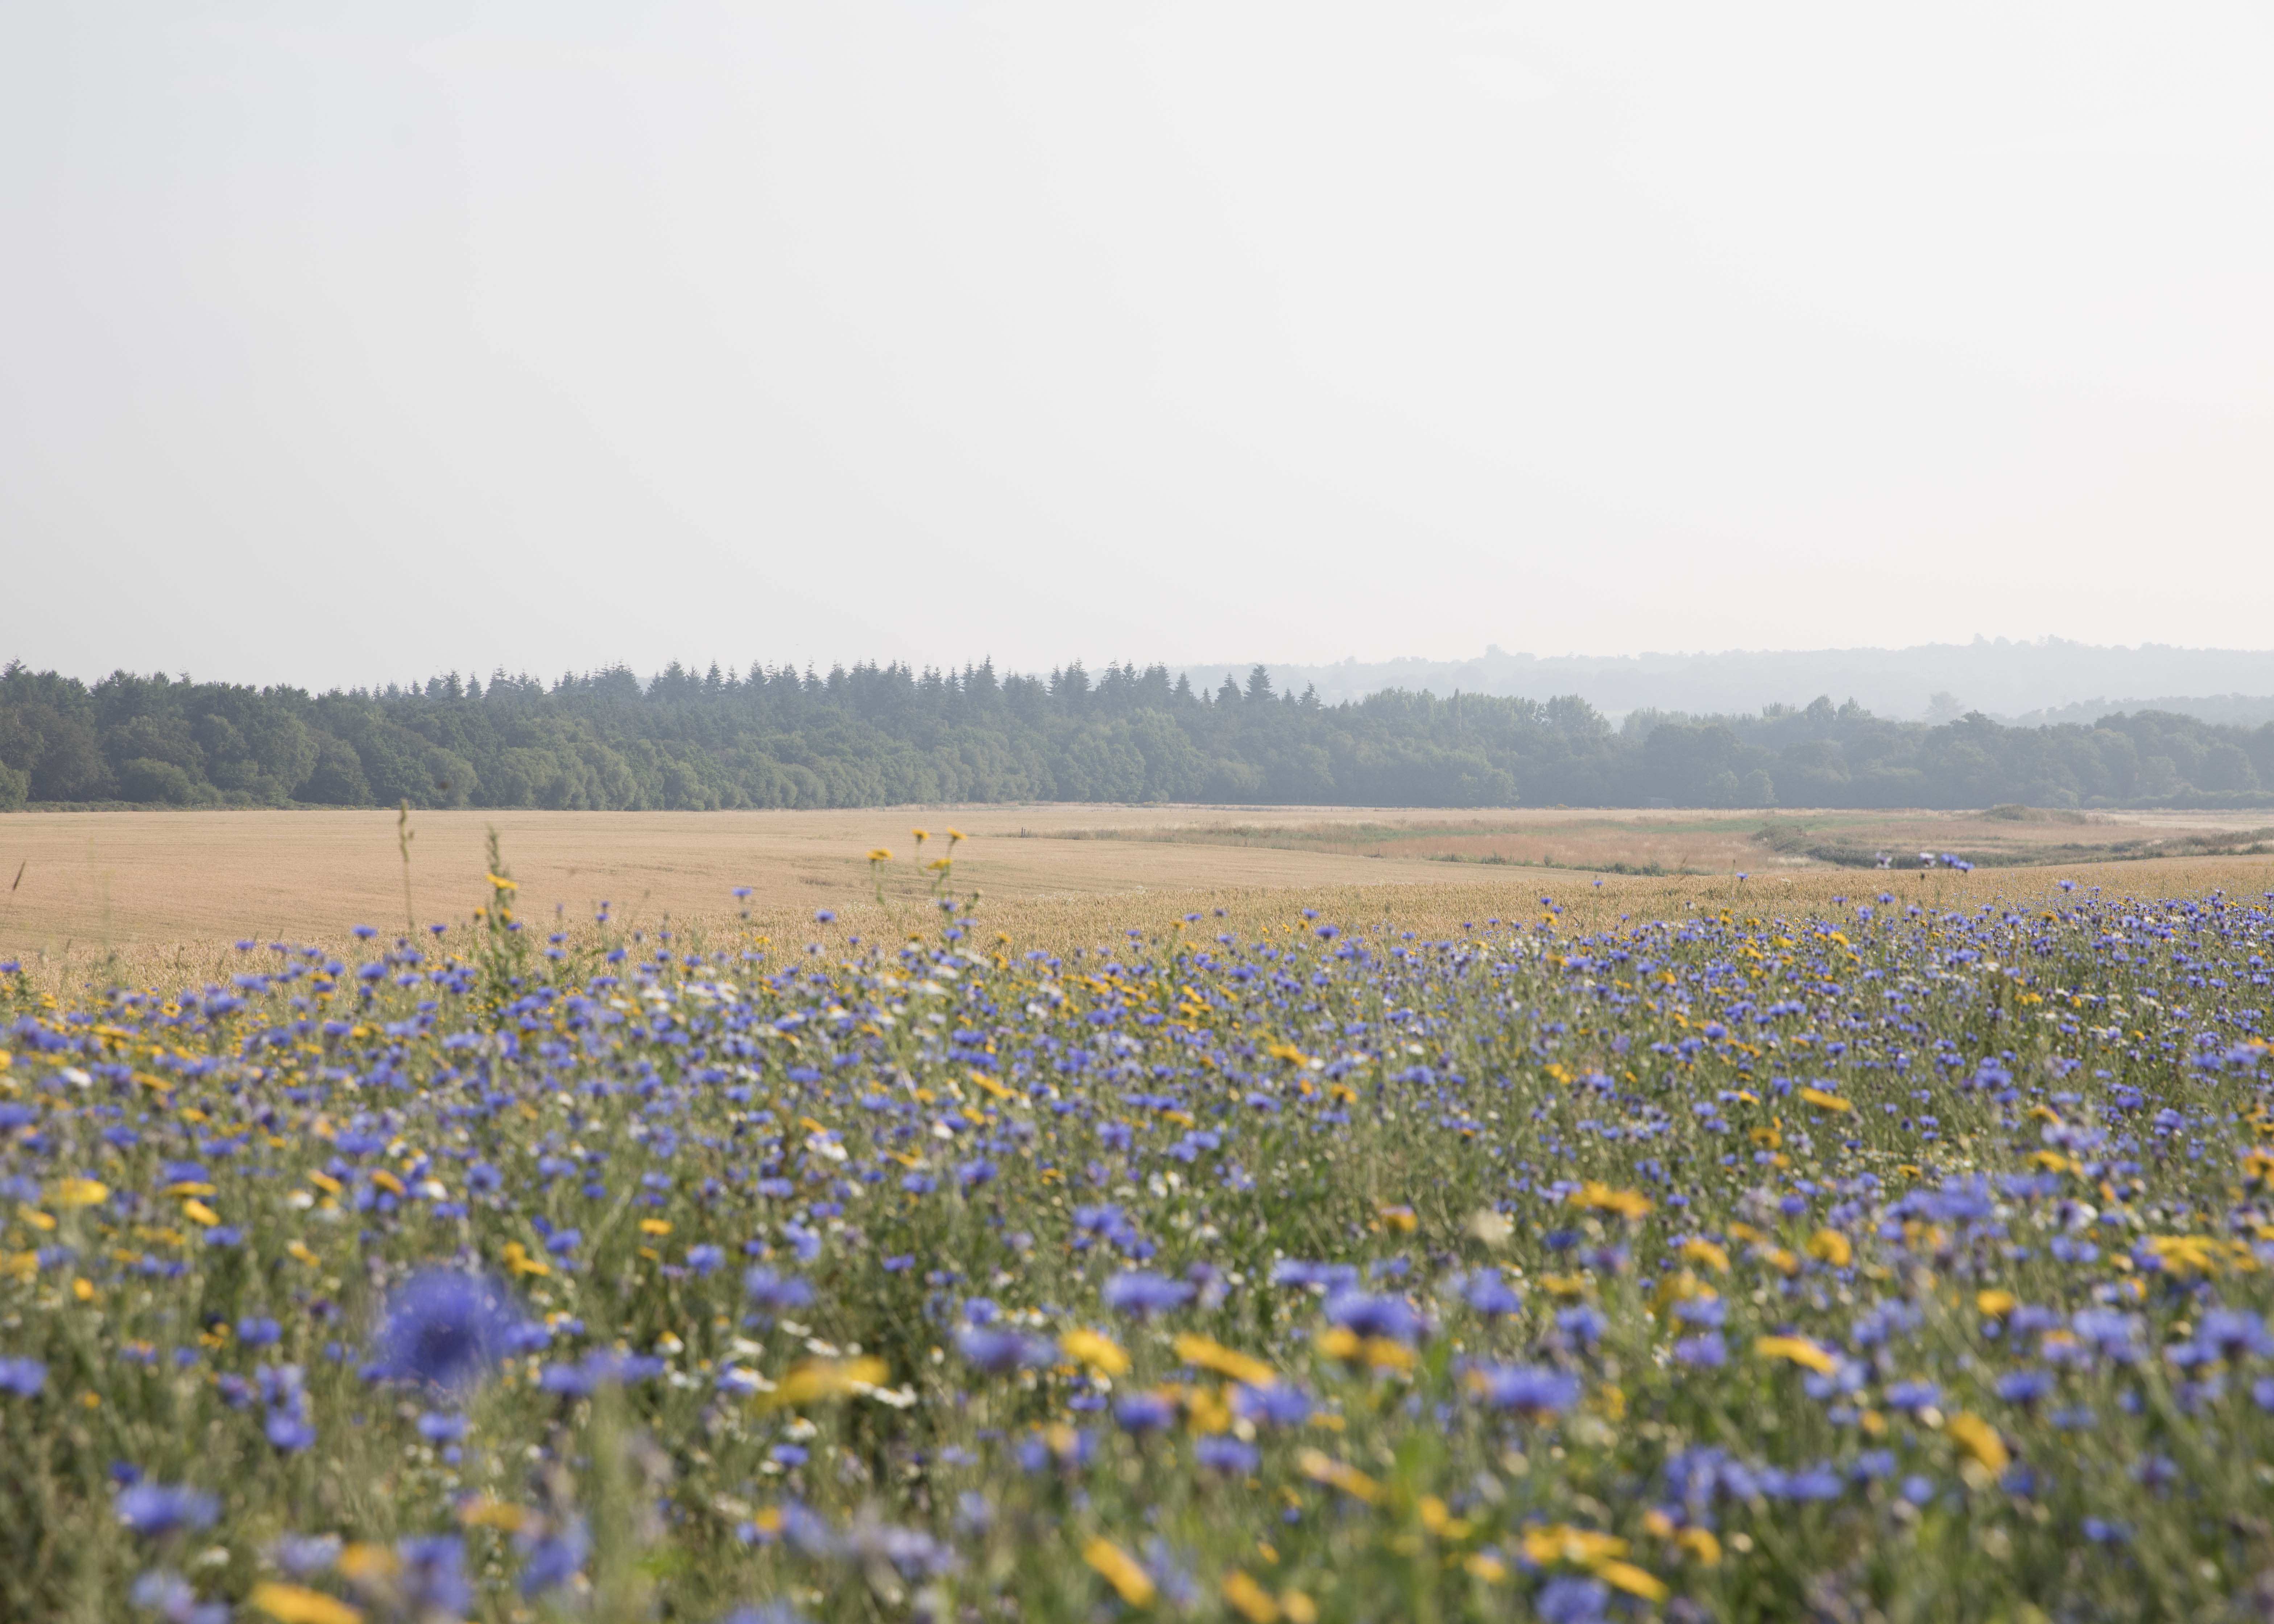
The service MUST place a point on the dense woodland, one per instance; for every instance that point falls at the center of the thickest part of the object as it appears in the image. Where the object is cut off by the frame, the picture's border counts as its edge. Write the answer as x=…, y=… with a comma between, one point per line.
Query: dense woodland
x=880, y=735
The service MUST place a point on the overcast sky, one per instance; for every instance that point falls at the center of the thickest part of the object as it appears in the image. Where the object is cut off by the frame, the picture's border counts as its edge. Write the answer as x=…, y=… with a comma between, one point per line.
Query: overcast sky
x=347, y=343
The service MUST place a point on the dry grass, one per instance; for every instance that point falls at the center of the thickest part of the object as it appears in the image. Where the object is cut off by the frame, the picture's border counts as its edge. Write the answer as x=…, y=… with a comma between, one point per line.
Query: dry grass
x=155, y=898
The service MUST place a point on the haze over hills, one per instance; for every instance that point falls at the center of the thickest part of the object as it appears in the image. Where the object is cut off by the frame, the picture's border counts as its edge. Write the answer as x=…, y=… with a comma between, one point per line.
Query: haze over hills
x=2055, y=680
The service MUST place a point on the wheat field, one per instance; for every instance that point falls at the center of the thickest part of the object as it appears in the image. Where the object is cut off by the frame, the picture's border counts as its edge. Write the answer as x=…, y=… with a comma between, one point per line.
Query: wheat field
x=160, y=898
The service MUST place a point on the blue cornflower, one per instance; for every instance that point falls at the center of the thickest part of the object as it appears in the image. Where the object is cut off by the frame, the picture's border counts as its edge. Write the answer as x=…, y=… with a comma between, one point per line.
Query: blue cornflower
x=2025, y=1387
x=1913, y=1395
x=433, y=1577
x=23, y=1378
x=1000, y=1351
x=446, y=1327
x=1571, y=1601
x=1140, y=1293
x=290, y=1429
x=1226, y=1453
x=1488, y=1294
x=2229, y=1334
x=555, y=1557
x=1366, y=1314
x=156, y=1509
x=1144, y=1412
x=172, y=1598
x=1534, y=1389
x=776, y=1292
x=1279, y=1405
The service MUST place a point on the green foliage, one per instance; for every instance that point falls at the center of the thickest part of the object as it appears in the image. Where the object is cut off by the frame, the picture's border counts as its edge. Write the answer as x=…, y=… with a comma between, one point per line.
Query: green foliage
x=880, y=735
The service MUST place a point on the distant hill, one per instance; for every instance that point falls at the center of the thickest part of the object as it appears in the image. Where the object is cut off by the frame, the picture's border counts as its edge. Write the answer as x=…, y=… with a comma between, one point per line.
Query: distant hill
x=1998, y=677
x=2226, y=710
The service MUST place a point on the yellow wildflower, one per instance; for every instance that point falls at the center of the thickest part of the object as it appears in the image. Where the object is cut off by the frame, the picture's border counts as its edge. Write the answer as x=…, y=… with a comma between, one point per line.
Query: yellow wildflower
x=1095, y=1350
x=1800, y=1350
x=827, y=1378
x=1379, y=1352
x=1206, y=1412
x=1995, y=1305
x=1322, y=1467
x=2185, y=1254
x=1559, y=1542
x=1698, y=1249
x=1826, y=1102
x=366, y=1564
x=1980, y=1439
x=296, y=1604
x=1214, y=1356
x=1248, y=1599
x=1120, y=1570
x=1596, y=1196
x=499, y=1513
x=1833, y=1247
x=1628, y=1577
x=68, y=1193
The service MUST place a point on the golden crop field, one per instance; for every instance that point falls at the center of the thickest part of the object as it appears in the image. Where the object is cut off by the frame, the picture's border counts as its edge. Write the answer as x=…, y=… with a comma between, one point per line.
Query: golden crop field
x=149, y=895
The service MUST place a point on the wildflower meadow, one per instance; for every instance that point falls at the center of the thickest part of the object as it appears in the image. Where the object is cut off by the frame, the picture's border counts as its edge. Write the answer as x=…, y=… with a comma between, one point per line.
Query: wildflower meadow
x=1904, y=1260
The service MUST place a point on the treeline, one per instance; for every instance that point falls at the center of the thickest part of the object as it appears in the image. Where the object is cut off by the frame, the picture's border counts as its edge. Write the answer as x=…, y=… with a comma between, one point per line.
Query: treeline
x=871, y=735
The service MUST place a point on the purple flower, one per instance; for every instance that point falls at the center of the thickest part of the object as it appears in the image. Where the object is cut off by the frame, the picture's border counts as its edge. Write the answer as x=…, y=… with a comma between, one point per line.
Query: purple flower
x=2025, y=1387
x=23, y=1378
x=432, y=1579
x=1571, y=1601
x=1140, y=1293
x=1534, y=1389
x=598, y=1368
x=555, y=1558
x=1000, y=1351
x=1226, y=1453
x=2229, y=1335
x=290, y=1430
x=1488, y=1294
x=774, y=1293
x=155, y=1509
x=1365, y=1314
x=1912, y=1395
x=1144, y=1412
x=170, y=1597
x=1280, y=1404
x=446, y=1327
x=1706, y=1349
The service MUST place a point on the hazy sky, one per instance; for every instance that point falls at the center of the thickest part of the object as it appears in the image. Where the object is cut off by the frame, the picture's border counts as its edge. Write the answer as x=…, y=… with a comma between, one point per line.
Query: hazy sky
x=349, y=343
